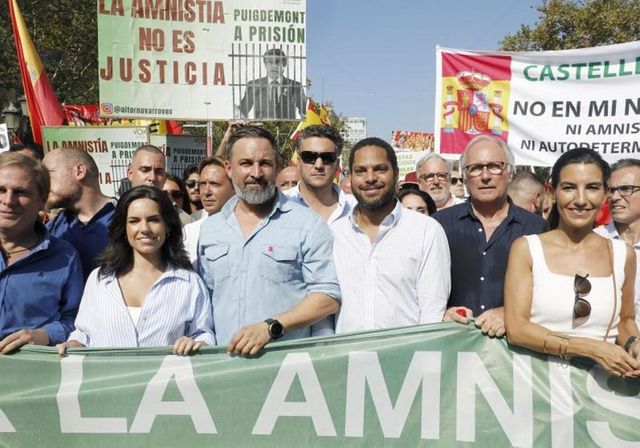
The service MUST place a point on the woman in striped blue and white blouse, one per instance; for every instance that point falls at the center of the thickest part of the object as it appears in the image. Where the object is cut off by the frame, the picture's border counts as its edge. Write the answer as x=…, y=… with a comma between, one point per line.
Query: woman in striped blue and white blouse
x=145, y=293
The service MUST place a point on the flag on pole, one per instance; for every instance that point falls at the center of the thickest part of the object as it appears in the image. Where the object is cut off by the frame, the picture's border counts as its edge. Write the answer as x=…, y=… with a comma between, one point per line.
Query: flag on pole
x=315, y=115
x=44, y=108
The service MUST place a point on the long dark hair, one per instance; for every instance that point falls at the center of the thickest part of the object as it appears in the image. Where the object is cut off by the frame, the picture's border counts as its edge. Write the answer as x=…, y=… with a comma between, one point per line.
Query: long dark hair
x=117, y=258
x=186, y=202
x=578, y=155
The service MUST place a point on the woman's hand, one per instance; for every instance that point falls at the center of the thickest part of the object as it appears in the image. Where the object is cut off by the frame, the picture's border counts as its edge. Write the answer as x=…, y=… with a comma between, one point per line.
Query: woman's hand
x=186, y=345
x=615, y=360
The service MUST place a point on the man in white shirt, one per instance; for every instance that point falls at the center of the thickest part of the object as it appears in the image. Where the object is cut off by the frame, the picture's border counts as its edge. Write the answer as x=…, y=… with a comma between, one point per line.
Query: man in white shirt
x=319, y=148
x=215, y=190
x=624, y=205
x=393, y=263
x=434, y=178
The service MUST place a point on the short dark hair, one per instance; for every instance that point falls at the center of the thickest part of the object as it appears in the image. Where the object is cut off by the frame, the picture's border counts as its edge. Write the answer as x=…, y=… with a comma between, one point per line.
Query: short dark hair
x=275, y=54
x=213, y=160
x=146, y=147
x=625, y=163
x=582, y=155
x=318, y=130
x=188, y=171
x=252, y=132
x=375, y=141
x=431, y=205
x=117, y=258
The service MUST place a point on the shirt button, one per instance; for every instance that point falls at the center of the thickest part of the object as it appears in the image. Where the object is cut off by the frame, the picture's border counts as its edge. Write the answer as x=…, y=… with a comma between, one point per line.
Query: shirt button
x=481, y=307
x=481, y=279
x=484, y=253
x=479, y=230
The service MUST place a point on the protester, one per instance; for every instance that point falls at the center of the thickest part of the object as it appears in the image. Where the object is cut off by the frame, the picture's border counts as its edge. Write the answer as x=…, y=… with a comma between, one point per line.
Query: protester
x=266, y=261
x=526, y=190
x=191, y=178
x=597, y=320
x=434, y=178
x=393, y=264
x=319, y=148
x=624, y=204
x=287, y=178
x=416, y=200
x=480, y=233
x=40, y=275
x=148, y=167
x=215, y=190
x=32, y=150
x=87, y=213
x=547, y=204
x=145, y=268
x=176, y=191
x=457, y=185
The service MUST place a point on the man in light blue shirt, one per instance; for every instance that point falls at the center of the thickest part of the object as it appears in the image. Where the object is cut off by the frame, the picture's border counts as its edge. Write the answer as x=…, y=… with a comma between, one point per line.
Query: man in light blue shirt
x=266, y=261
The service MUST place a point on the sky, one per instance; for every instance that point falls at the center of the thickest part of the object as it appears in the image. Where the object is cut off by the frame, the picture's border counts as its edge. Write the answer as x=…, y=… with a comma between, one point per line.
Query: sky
x=376, y=58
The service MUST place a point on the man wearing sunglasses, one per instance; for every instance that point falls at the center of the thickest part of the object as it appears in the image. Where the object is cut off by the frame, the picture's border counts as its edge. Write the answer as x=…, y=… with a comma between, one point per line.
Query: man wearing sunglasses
x=624, y=205
x=457, y=185
x=319, y=148
x=434, y=178
x=480, y=233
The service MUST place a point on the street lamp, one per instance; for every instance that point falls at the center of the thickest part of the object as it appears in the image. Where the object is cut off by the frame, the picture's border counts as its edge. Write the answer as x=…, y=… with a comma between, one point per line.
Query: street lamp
x=24, y=106
x=11, y=117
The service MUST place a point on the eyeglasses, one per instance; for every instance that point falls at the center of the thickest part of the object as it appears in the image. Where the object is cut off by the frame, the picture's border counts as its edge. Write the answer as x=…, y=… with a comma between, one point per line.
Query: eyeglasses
x=476, y=169
x=312, y=156
x=455, y=180
x=173, y=194
x=624, y=190
x=431, y=176
x=581, y=288
x=191, y=183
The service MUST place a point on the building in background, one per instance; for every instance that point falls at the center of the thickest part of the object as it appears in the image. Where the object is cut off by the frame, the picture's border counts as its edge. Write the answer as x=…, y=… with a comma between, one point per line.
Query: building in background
x=355, y=129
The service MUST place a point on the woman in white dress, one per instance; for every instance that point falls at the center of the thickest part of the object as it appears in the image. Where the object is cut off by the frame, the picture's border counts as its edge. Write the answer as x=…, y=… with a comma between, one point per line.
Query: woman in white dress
x=145, y=293
x=569, y=291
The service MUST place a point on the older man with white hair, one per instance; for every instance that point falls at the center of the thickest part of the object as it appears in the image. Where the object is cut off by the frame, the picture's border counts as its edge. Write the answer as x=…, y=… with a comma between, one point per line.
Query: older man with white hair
x=434, y=178
x=480, y=233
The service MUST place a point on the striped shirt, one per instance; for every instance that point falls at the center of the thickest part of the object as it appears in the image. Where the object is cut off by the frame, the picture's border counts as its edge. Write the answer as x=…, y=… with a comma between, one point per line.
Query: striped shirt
x=402, y=278
x=176, y=305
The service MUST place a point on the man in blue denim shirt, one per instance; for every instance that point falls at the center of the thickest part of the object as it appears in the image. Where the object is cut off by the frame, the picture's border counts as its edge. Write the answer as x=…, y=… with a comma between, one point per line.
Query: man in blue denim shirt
x=267, y=261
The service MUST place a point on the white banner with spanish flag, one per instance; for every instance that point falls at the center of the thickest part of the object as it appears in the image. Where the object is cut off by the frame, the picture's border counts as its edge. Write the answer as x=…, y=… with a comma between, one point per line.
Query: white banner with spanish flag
x=541, y=103
x=44, y=108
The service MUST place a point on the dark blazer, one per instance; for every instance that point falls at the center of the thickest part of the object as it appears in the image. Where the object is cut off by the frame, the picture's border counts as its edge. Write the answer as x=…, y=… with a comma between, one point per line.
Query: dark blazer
x=289, y=99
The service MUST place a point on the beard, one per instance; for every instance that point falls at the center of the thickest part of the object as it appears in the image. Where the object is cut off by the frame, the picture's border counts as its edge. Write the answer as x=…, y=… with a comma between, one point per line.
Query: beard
x=375, y=203
x=256, y=197
x=66, y=202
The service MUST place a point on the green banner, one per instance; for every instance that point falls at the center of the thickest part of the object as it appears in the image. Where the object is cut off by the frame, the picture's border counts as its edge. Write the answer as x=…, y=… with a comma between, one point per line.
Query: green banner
x=437, y=385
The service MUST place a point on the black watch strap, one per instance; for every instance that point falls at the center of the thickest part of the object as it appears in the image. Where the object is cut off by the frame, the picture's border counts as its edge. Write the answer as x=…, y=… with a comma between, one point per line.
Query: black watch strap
x=629, y=343
x=275, y=328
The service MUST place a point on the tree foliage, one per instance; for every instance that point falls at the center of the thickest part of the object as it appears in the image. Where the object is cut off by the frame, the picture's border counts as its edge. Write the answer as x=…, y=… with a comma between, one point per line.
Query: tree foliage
x=566, y=24
x=64, y=33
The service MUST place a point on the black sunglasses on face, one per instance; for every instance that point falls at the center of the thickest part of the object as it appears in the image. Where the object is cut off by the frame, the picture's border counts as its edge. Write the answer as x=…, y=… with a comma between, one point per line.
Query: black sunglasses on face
x=312, y=156
x=455, y=180
x=174, y=194
x=191, y=183
x=581, y=288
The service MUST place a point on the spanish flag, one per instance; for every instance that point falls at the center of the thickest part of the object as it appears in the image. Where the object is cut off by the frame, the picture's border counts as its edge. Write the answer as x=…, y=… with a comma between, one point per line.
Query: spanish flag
x=315, y=115
x=44, y=108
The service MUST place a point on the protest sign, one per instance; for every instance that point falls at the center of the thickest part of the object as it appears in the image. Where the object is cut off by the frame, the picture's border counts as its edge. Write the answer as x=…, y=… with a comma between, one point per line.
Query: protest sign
x=407, y=161
x=181, y=151
x=541, y=103
x=202, y=60
x=110, y=147
x=412, y=141
x=4, y=138
x=443, y=385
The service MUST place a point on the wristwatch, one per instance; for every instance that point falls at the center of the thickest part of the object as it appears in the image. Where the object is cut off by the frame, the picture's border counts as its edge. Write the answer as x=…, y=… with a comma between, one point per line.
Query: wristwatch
x=275, y=328
x=629, y=343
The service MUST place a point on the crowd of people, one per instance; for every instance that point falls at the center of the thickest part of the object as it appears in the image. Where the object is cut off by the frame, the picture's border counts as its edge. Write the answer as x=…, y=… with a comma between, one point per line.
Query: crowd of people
x=240, y=251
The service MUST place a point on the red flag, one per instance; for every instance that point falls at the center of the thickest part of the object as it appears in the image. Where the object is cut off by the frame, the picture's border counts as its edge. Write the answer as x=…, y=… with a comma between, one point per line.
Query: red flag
x=44, y=108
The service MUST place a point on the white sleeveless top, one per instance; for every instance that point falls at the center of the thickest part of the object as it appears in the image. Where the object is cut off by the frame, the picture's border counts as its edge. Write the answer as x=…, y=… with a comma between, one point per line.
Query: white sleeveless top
x=553, y=296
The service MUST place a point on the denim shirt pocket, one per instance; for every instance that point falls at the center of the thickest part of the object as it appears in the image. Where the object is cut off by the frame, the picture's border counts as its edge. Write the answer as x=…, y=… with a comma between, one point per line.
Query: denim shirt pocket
x=278, y=262
x=217, y=258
